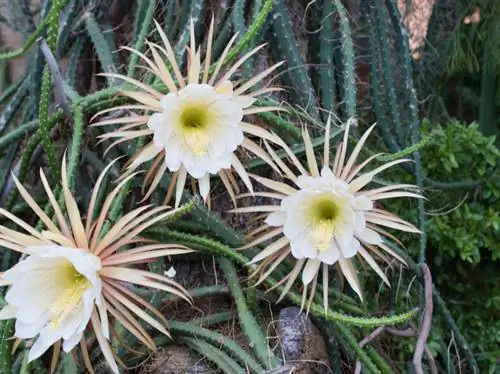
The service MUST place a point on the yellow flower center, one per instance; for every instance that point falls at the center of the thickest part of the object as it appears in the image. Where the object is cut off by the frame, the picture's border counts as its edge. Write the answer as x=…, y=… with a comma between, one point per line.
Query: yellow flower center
x=75, y=284
x=324, y=212
x=194, y=117
x=194, y=122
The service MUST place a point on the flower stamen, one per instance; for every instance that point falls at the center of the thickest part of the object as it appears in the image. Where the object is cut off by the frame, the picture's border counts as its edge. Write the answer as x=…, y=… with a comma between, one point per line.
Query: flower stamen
x=194, y=121
x=323, y=234
x=194, y=117
x=197, y=141
x=324, y=212
x=76, y=285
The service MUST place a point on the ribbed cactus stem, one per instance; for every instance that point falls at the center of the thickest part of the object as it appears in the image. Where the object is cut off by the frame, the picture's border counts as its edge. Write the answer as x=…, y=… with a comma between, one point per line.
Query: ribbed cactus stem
x=44, y=130
x=248, y=323
x=76, y=143
x=228, y=345
x=17, y=134
x=9, y=91
x=66, y=25
x=376, y=92
x=404, y=47
x=6, y=332
x=285, y=42
x=141, y=27
x=348, y=65
x=380, y=24
x=326, y=70
x=351, y=341
x=225, y=363
x=102, y=47
x=12, y=107
x=195, y=11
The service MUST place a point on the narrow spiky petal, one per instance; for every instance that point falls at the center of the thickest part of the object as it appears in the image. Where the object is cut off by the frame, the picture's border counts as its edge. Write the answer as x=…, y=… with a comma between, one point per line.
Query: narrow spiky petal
x=327, y=218
x=197, y=126
x=83, y=265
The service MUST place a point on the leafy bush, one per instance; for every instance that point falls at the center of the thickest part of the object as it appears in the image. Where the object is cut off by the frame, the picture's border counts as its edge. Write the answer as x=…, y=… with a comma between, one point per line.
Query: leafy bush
x=461, y=168
x=466, y=164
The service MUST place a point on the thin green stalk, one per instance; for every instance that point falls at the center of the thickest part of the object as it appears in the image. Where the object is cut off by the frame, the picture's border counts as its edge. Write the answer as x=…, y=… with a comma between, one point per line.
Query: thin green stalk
x=256, y=7
x=405, y=152
x=352, y=342
x=25, y=365
x=379, y=361
x=11, y=89
x=118, y=204
x=102, y=47
x=17, y=134
x=28, y=153
x=348, y=65
x=228, y=345
x=76, y=143
x=333, y=316
x=326, y=53
x=182, y=19
x=216, y=225
x=12, y=107
x=141, y=38
x=453, y=185
x=216, y=289
x=197, y=242
x=488, y=108
x=222, y=360
x=169, y=19
x=281, y=124
x=44, y=130
x=376, y=92
x=222, y=36
x=247, y=321
x=380, y=23
x=214, y=247
x=74, y=56
x=252, y=31
x=285, y=44
x=36, y=71
x=238, y=20
x=4, y=75
x=213, y=319
x=66, y=27
x=53, y=23
x=29, y=42
x=8, y=164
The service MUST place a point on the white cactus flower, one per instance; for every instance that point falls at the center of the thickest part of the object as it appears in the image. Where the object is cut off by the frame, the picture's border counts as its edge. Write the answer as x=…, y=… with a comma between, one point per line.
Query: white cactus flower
x=325, y=217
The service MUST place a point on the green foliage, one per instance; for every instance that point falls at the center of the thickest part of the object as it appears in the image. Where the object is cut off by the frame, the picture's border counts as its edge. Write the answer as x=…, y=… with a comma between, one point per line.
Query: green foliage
x=462, y=185
x=471, y=229
x=464, y=240
x=461, y=150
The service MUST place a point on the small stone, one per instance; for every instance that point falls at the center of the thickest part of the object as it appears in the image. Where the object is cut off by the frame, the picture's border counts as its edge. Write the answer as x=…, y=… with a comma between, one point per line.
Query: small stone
x=302, y=343
x=178, y=360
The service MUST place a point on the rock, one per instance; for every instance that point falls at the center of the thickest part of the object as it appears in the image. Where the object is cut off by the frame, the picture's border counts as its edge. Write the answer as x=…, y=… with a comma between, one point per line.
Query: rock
x=178, y=360
x=301, y=343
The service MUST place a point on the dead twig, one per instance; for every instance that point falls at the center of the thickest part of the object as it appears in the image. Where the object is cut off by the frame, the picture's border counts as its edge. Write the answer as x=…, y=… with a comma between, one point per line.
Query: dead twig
x=425, y=327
